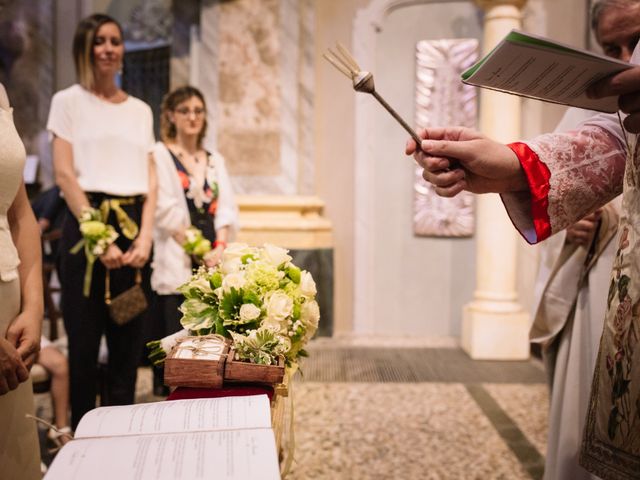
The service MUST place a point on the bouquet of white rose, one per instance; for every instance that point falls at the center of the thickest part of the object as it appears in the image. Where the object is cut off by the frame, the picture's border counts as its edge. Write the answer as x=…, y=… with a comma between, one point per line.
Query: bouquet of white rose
x=256, y=297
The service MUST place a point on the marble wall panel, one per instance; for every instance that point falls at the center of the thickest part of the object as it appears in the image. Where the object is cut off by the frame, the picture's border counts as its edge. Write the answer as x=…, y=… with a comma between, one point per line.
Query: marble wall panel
x=255, y=62
x=249, y=100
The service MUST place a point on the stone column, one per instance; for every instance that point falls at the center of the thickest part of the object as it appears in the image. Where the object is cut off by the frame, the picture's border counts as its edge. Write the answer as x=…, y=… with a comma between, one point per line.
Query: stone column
x=495, y=326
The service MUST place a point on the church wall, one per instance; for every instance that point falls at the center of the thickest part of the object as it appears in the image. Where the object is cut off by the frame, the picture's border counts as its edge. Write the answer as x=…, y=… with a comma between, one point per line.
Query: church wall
x=334, y=147
x=420, y=283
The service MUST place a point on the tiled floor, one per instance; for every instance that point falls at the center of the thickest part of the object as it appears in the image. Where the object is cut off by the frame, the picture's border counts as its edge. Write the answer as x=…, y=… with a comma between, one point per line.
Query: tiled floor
x=417, y=413
x=410, y=413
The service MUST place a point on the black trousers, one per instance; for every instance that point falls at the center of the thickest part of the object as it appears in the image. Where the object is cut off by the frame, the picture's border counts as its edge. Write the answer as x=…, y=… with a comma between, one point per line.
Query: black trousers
x=86, y=319
x=166, y=320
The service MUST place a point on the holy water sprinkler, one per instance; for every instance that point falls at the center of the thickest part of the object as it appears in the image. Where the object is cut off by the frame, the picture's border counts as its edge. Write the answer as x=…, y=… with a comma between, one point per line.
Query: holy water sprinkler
x=363, y=82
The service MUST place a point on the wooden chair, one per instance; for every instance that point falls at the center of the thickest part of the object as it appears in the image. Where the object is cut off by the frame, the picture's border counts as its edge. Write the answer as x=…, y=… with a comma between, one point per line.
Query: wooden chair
x=39, y=376
x=53, y=313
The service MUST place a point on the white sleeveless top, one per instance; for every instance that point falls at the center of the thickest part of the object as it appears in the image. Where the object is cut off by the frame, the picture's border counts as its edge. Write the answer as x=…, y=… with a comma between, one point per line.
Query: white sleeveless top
x=110, y=141
x=12, y=157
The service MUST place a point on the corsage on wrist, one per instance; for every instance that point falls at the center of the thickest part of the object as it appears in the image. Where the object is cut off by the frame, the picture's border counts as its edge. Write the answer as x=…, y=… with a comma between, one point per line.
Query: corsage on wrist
x=195, y=244
x=96, y=238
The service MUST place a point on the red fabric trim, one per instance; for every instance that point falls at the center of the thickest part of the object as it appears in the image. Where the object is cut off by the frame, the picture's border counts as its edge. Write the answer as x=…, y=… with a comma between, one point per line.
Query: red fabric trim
x=183, y=393
x=538, y=175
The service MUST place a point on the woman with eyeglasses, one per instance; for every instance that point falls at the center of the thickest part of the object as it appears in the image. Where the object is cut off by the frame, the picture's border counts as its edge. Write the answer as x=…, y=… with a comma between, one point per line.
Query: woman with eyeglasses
x=102, y=138
x=193, y=190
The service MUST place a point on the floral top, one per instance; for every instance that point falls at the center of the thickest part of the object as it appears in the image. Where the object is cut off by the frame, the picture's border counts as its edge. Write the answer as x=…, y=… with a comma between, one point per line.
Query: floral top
x=201, y=195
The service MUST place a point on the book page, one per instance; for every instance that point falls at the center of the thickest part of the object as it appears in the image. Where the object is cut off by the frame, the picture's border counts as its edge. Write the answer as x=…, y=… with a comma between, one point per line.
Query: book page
x=233, y=454
x=534, y=69
x=203, y=414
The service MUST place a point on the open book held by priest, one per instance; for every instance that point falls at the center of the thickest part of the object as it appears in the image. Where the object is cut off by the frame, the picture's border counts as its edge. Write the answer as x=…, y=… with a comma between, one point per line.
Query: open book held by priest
x=536, y=67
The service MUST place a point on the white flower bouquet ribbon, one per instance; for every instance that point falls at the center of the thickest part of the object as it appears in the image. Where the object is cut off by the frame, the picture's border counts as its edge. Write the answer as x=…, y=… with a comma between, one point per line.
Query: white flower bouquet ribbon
x=159, y=349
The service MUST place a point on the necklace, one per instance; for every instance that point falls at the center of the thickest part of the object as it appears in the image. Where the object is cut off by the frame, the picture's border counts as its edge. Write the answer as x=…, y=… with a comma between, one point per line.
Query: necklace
x=191, y=162
x=183, y=155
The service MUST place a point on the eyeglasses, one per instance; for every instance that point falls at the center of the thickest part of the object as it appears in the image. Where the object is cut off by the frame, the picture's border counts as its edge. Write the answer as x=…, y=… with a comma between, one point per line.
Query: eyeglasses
x=198, y=112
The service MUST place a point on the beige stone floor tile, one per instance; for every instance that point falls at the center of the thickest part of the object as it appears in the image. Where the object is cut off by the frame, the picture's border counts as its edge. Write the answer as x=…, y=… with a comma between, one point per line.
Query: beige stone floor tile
x=396, y=431
x=528, y=407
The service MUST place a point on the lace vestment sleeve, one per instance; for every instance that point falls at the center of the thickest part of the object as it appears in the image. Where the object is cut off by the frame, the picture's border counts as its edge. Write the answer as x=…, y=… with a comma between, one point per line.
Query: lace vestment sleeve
x=569, y=174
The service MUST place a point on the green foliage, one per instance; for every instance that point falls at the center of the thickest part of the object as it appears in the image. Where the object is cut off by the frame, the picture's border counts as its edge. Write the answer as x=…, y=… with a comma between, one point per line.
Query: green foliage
x=261, y=346
x=230, y=304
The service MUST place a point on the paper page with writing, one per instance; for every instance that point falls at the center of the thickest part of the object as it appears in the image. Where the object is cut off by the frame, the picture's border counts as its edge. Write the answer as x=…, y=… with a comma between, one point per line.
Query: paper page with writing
x=535, y=67
x=226, y=438
x=231, y=454
x=204, y=414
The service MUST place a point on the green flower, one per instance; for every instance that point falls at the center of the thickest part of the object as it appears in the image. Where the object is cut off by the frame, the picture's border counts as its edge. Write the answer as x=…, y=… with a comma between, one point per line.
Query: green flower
x=202, y=247
x=293, y=273
x=93, y=228
x=264, y=276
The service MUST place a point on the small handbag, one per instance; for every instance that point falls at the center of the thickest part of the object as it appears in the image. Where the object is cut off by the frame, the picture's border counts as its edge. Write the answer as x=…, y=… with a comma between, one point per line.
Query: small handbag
x=127, y=305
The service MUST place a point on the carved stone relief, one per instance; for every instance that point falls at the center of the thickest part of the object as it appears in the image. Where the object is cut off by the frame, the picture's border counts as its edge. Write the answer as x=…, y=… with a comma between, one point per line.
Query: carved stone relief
x=441, y=99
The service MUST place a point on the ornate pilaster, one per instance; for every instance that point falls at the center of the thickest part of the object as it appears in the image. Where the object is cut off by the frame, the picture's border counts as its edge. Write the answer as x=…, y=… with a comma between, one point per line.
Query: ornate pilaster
x=495, y=326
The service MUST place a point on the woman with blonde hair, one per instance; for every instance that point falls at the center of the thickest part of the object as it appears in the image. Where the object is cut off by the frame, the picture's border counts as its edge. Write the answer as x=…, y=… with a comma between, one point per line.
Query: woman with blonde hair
x=194, y=190
x=102, y=138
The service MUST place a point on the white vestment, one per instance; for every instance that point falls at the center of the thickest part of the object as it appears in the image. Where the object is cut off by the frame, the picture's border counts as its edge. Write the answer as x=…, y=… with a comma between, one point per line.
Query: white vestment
x=571, y=290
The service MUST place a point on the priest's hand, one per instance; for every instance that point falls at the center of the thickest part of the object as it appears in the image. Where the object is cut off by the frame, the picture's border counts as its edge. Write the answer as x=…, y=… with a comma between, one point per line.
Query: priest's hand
x=456, y=159
x=625, y=85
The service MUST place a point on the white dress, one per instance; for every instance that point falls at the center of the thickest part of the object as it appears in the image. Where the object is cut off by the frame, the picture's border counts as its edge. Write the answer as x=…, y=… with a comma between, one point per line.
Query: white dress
x=19, y=449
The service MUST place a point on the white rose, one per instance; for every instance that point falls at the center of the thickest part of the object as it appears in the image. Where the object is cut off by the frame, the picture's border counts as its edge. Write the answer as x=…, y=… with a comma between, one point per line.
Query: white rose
x=248, y=312
x=236, y=251
x=230, y=265
x=272, y=324
x=310, y=315
x=307, y=284
x=279, y=306
x=276, y=256
x=233, y=280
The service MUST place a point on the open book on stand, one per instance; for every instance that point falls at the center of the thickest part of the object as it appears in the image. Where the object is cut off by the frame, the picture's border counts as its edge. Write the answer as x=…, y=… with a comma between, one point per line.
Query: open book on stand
x=536, y=67
x=221, y=438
